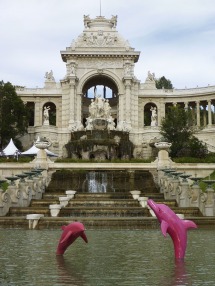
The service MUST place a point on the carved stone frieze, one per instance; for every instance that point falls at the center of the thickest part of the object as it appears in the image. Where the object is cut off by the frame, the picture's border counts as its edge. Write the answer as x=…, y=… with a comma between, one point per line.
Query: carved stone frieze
x=99, y=38
x=100, y=63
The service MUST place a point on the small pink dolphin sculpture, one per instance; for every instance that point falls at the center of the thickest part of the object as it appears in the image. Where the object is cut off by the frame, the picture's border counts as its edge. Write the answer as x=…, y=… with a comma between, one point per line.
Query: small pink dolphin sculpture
x=174, y=226
x=70, y=233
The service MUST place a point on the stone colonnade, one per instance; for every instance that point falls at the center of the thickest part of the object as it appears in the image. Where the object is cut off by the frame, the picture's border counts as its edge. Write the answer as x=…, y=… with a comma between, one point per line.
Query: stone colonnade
x=203, y=111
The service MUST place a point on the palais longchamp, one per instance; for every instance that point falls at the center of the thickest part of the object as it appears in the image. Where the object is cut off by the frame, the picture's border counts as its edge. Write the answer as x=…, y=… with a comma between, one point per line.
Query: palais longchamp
x=99, y=97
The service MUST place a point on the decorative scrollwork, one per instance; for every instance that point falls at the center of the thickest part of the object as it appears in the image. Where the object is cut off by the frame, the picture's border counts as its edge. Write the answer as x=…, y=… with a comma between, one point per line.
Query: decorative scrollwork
x=179, y=190
x=6, y=198
x=203, y=197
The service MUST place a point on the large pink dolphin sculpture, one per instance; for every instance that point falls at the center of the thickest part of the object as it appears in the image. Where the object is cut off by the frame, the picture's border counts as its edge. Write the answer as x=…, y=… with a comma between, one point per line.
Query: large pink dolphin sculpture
x=174, y=226
x=70, y=233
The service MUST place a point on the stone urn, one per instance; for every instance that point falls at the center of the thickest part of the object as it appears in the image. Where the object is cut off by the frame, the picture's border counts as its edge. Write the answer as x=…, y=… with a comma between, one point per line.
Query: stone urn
x=163, y=145
x=143, y=201
x=55, y=209
x=33, y=220
x=163, y=154
x=181, y=216
x=135, y=194
x=42, y=158
x=70, y=194
x=64, y=201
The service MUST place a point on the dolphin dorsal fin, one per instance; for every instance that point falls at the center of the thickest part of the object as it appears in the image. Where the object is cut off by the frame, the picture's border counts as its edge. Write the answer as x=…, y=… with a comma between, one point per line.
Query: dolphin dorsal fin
x=164, y=227
x=189, y=224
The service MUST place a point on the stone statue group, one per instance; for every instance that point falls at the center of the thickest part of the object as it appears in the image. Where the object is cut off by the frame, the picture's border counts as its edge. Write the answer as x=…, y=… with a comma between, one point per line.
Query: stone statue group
x=100, y=109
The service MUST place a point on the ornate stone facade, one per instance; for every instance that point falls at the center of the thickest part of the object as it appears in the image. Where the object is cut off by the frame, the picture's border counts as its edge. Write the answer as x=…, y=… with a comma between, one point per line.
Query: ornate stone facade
x=100, y=57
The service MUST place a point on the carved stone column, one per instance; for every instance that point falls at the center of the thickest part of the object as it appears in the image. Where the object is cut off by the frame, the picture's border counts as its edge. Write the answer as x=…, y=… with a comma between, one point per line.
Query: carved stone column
x=209, y=113
x=72, y=99
x=121, y=108
x=37, y=114
x=204, y=116
x=197, y=114
x=128, y=100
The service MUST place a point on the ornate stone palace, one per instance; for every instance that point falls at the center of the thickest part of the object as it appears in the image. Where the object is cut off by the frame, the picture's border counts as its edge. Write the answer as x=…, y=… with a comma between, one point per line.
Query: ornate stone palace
x=100, y=83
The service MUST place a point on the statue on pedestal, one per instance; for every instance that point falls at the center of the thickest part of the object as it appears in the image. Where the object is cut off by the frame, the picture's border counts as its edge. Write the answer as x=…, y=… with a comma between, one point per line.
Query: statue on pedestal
x=153, y=116
x=99, y=114
x=46, y=115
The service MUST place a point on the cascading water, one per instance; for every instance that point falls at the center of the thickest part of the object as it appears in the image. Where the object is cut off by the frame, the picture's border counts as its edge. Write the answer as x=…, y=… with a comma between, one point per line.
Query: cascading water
x=97, y=182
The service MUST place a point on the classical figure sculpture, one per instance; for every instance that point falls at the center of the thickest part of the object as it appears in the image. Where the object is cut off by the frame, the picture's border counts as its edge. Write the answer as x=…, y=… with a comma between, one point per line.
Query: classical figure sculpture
x=153, y=116
x=151, y=76
x=46, y=115
x=49, y=76
x=100, y=108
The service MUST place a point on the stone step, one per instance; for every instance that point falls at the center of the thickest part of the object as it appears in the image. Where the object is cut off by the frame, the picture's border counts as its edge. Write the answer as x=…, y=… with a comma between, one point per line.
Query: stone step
x=104, y=211
x=191, y=211
x=23, y=211
x=104, y=202
x=119, y=195
x=44, y=203
x=169, y=203
x=91, y=223
x=52, y=196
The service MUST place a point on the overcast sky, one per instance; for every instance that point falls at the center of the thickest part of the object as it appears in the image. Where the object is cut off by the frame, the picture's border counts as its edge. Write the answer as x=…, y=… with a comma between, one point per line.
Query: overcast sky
x=176, y=38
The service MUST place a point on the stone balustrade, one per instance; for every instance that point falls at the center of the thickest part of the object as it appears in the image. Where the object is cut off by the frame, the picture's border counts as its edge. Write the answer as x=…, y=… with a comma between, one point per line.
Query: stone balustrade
x=186, y=194
x=21, y=193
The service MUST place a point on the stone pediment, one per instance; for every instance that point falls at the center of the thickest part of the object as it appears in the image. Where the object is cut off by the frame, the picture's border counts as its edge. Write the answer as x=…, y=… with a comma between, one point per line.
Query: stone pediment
x=100, y=33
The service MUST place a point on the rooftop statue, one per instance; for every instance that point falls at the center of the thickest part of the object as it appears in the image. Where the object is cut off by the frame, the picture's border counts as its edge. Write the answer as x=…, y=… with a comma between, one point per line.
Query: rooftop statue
x=49, y=76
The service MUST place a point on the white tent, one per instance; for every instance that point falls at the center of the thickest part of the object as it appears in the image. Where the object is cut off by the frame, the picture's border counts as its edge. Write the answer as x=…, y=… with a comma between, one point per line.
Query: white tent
x=11, y=149
x=34, y=150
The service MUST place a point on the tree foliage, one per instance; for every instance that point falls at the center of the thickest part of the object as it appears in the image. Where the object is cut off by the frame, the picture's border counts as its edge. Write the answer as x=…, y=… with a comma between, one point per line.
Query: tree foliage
x=178, y=128
x=162, y=82
x=13, y=114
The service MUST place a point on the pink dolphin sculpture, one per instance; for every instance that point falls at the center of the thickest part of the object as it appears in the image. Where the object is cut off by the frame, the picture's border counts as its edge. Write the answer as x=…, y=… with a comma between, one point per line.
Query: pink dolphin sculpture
x=70, y=233
x=174, y=226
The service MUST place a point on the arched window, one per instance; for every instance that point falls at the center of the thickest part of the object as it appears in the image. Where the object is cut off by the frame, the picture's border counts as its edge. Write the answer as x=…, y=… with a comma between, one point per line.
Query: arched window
x=31, y=108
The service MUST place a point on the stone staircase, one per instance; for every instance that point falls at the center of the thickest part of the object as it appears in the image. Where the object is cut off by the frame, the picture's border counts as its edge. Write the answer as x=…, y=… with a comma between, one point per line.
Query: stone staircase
x=96, y=210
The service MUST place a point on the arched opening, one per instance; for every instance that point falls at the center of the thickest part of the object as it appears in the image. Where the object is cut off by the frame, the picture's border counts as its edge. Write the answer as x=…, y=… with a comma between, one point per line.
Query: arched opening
x=31, y=108
x=103, y=87
x=51, y=112
x=150, y=114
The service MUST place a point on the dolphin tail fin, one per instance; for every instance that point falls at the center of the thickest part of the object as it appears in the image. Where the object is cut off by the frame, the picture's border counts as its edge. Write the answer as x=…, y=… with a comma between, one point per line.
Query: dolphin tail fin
x=189, y=224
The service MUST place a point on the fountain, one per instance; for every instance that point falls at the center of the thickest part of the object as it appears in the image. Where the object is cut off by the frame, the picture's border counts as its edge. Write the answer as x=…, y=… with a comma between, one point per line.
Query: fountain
x=100, y=139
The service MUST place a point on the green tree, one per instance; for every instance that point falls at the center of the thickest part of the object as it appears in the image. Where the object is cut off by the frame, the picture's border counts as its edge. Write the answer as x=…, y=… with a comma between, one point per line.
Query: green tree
x=162, y=82
x=177, y=128
x=13, y=115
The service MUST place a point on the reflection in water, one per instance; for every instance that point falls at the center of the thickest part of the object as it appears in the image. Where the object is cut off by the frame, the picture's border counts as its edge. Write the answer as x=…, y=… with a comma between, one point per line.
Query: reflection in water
x=67, y=272
x=111, y=258
x=180, y=276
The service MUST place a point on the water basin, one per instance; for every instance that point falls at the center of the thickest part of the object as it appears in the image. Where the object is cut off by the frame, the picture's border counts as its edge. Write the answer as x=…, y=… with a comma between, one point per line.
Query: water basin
x=121, y=258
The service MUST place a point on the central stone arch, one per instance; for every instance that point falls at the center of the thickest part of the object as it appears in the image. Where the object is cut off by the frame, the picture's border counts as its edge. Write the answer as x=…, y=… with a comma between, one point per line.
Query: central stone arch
x=101, y=85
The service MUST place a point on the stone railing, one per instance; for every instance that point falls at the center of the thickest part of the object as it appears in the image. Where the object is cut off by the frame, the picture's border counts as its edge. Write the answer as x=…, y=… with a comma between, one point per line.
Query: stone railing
x=180, y=187
x=22, y=189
